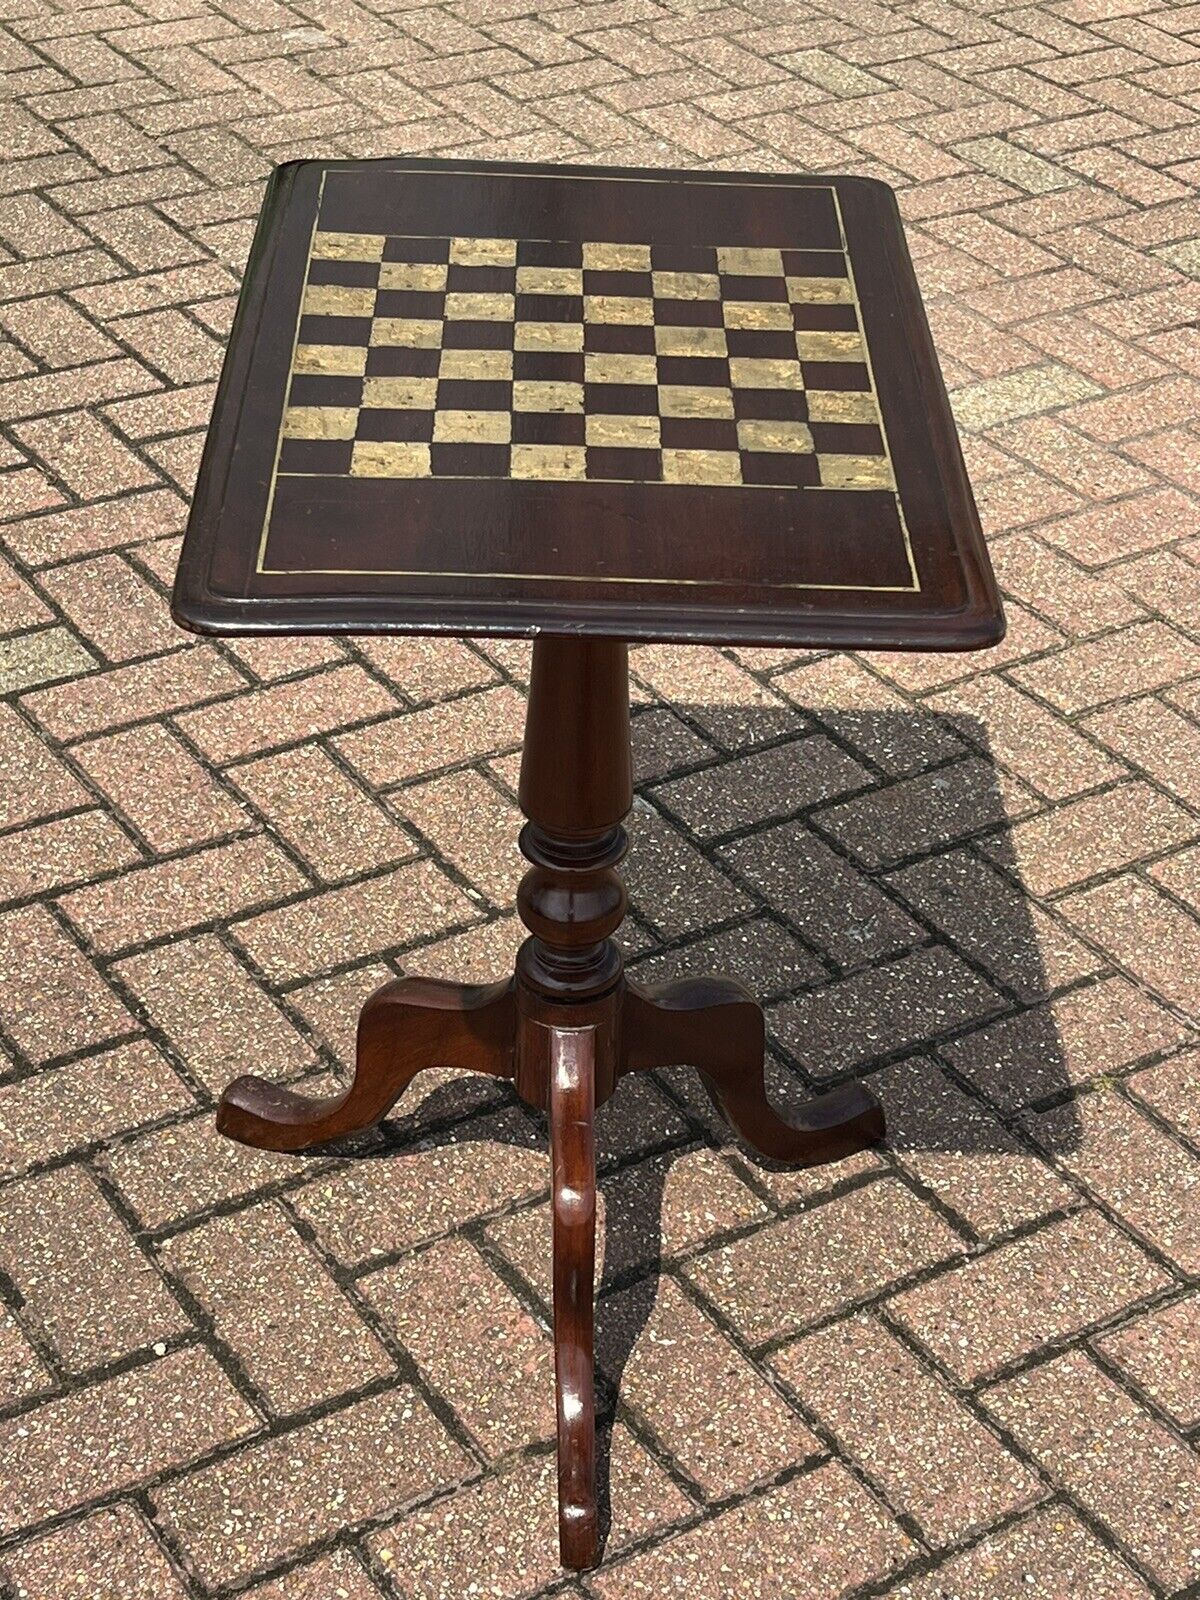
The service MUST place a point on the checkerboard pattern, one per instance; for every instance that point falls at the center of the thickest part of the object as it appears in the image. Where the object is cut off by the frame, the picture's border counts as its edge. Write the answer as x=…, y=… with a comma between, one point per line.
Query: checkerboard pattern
x=971, y=1360
x=543, y=359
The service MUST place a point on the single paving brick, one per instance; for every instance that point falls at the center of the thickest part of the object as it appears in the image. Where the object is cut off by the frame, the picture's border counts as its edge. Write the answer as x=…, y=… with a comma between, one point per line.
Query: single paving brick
x=22, y=1370
x=1157, y=739
x=112, y=1553
x=710, y=1411
x=662, y=744
x=780, y=1279
x=1134, y=660
x=115, y=1434
x=1048, y=1556
x=270, y=657
x=471, y=824
x=36, y=781
x=326, y=818
x=637, y=1118
x=28, y=659
x=822, y=1523
x=1148, y=1178
x=116, y=610
x=51, y=855
x=881, y=1009
x=171, y=1173
x=1019, y=394
x=498, y=1538
x=82, y=1280
x=1101, y=833
x=1093, y=1030
x=169, y=797
x=961, y=1151
x=827, y=900
x=931, y=1456
x=375, y=1207
x=1122, y=415
x=417, y=742
x=473, y=1340
x=127, y=694
x=672, y=886
x=52, y=1000
x=765, y=784
x=1146, y=932
x=279, y=1497
x=342, y=925
x=330, y=1007
x=216, y=1016
x=922, y=813
x=50, y=1113
x=81, y=451
x=1161, y=1353
x=173, y=896
x=428, y=669
x=760, y=954
x=286, y=713
x=295, y=1333
x=1113, y=1457
x=992, y=920
x=1044, y=1287
x=81, y=529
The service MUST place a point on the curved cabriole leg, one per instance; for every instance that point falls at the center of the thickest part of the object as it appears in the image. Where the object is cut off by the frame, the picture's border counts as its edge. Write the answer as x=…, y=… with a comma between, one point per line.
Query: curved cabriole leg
x=715, y=1025
x=408, y=1024
x=573, y=1162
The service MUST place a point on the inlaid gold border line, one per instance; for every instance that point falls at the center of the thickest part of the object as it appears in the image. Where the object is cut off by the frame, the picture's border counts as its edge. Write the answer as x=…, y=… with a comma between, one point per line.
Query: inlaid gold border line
x=287, y=382
x=526, y=577
x=698, y=180
x=870, y=366
x=576, y=577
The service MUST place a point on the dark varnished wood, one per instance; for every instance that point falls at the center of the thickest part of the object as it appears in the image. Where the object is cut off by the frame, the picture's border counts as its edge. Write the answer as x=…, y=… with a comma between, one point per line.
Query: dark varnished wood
x=576, y=787
x=716, y=1025
x=631, y=560
x=566, y=1027
x=558, y=560
x=573, y=1163
x=405, y=1026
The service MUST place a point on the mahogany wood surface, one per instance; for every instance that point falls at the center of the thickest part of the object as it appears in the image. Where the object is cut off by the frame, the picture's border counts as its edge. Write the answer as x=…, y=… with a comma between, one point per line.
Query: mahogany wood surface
x=573, y=1163
x=716, y=1025
x=592, y=406
x=405, y=1026
x=368, y=463
x=566, y=1027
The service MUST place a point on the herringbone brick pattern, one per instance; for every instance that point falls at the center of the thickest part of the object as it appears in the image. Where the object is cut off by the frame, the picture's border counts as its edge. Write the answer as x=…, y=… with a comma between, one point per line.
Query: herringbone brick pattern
x=968, y=1366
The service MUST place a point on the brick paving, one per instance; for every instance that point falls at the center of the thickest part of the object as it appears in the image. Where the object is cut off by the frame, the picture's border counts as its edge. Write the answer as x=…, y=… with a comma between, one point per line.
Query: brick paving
x=966, y=1365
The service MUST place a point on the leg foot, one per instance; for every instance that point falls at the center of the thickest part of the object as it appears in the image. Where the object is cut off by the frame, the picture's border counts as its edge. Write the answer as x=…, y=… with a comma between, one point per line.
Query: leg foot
x=406, y=1025
x=716, y=1026
x=573, y=1159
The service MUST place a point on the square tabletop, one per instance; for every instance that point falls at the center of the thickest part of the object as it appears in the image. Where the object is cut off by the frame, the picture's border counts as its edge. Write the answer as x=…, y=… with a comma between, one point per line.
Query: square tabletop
x=466, y=397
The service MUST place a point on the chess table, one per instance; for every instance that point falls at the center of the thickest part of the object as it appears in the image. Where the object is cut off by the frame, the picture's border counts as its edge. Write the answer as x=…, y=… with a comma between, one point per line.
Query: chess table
x=587, y=406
